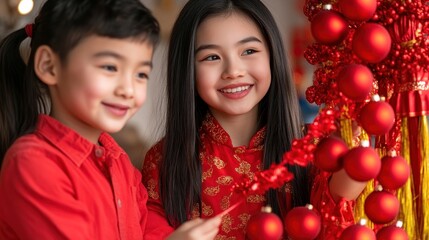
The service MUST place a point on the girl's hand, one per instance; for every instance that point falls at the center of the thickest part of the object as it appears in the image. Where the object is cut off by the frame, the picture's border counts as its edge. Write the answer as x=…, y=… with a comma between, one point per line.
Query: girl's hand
x=198, y=229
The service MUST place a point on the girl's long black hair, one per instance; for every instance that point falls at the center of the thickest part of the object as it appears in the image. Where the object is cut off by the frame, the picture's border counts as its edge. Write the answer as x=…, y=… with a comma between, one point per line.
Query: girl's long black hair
x=180, y=172
x=61, y=25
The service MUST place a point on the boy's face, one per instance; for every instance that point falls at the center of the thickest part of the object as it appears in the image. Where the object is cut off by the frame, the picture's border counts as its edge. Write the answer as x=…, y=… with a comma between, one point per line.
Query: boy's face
x=102, y=84
x=232, y=64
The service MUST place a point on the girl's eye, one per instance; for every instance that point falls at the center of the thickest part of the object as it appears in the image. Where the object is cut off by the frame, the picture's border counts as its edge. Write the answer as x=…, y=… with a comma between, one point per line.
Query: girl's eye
x=109, y=68
x=249, y=51
x=211, y=58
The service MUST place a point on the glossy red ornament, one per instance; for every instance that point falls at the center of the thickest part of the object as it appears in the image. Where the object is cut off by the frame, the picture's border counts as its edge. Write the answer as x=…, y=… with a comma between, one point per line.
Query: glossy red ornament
x=392, y=232
x=328, y=153
x=329, y=27
x=355, y=81
x=381, y=207
x=394, y=172
x=371, y=42
x=265, y=225
x=362, y=163
x=377, y=117
x=302, y=223
x=358, y=10
x=357, y=232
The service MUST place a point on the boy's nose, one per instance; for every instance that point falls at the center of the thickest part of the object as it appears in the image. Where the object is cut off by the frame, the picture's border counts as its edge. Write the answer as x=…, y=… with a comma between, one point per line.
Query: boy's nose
x=125, y=88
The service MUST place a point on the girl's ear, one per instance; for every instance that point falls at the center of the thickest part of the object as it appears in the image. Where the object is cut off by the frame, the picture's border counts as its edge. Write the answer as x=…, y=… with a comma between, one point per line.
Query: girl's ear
x=46, y=65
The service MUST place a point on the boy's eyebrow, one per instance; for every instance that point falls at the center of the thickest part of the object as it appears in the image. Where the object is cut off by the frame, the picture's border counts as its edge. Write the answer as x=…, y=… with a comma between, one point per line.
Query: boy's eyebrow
x=243, y=41
x=118, y=56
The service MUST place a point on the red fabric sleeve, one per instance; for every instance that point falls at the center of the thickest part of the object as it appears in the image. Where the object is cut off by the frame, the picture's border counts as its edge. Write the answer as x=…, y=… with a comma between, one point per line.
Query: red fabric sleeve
x=157, y=226
x=40, y=204
x=336, y=216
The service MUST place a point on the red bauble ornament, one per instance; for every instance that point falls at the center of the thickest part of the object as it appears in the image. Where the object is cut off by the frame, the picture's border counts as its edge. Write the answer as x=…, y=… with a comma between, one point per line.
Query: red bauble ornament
x=362, y=163
x=392, y=232
x=394, y=172
x=302, y=223
x=329, y=27
x=371, y=42
x=265, y=225
x=358, y=10
x=357, y=232
x=328, y=153
x=381, y=207
x=377, y=117
x=355, y=81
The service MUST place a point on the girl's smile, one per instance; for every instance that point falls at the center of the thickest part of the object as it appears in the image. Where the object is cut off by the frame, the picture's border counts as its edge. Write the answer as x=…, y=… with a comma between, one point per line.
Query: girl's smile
x=236, y=91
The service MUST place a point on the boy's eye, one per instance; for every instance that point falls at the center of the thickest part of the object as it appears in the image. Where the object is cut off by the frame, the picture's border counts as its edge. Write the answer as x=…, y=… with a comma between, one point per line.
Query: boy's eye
x=248, y=51
x=142, y=76
x=109, y=68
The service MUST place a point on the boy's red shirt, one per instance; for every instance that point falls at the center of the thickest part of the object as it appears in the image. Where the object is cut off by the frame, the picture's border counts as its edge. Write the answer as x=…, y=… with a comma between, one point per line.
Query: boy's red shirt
x=222, y=166
x=54, y=184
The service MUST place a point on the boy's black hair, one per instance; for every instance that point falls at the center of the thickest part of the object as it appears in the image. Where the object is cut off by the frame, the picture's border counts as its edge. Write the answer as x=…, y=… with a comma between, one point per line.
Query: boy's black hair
x=61, y=25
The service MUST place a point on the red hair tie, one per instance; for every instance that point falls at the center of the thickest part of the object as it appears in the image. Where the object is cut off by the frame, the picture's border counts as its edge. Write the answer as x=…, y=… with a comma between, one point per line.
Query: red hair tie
x=29, y=30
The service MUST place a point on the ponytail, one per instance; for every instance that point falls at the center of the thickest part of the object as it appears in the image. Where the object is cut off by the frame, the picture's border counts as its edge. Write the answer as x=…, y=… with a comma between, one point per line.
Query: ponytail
x=19, y=92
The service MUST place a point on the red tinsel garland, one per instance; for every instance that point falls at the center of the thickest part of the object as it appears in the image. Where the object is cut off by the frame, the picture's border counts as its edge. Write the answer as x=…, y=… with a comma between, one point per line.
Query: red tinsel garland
x=301, y=153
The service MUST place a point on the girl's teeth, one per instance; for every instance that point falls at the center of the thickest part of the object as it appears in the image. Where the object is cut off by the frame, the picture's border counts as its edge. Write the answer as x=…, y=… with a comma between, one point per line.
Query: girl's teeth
x=234, y=90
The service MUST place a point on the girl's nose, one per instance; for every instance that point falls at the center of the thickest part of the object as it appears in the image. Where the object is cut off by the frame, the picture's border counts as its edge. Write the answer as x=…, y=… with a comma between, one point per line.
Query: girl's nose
x=233, y=69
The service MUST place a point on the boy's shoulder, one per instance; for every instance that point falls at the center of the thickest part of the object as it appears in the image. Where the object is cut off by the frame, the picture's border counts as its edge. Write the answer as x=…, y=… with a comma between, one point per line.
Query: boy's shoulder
x=32, y=147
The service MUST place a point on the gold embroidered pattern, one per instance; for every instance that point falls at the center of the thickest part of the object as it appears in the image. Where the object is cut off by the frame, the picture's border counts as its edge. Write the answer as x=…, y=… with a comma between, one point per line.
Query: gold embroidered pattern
x=255, y=199
x=151, y=185
x=195, y=211
x=219, y=163
x=225, y=202
x=217, y=133
x=224, y=180
x=244, y=219
x=223, y=237
x=207, y=210
x=226, y=223
x=212, y=191
x=239, y=150
x=244, y=168
x=260, y=136
x=207, y=174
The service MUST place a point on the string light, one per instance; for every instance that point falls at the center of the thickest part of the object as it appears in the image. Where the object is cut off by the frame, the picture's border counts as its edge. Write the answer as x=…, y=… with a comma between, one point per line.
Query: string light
x=25, y=6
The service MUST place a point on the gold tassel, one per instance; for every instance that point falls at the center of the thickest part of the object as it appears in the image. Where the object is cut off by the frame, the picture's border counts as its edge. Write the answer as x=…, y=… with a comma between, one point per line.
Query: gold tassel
x=405, y=194
x=424, y=176
x=360, y=204
x=346, y=128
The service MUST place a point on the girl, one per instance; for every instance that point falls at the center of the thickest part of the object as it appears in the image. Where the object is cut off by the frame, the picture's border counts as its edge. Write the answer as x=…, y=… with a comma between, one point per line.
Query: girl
x=232, y=111
x=62, y=176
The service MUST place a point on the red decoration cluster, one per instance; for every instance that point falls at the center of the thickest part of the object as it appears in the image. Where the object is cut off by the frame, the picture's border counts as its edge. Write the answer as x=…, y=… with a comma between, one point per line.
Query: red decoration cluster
x=301, y=153
x=397, y=59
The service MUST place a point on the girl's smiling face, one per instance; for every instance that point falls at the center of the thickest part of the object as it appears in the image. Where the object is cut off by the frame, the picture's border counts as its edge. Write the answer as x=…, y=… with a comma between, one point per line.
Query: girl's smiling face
x=232, y=64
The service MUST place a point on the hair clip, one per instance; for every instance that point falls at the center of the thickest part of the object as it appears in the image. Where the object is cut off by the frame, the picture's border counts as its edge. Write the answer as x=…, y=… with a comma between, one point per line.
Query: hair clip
x=29, y=30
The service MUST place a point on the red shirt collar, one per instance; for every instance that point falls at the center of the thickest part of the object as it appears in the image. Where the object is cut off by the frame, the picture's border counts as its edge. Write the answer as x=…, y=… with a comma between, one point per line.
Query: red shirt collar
x=71, y=143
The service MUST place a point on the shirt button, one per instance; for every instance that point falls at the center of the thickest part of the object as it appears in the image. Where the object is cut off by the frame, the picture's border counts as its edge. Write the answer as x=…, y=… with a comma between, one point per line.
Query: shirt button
x=119, y=203
x=98, y=152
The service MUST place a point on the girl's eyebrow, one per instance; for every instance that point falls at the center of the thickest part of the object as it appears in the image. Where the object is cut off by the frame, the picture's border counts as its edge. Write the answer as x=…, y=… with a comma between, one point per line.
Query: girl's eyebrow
x=118, y=56
x=214, y=46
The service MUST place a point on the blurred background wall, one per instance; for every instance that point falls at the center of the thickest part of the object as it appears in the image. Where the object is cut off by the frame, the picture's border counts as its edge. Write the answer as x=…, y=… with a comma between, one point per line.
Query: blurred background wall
x=145, y=128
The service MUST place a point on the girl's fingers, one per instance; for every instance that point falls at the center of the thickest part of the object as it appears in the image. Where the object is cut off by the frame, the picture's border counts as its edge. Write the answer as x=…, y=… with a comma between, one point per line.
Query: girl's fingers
x=198, y=229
